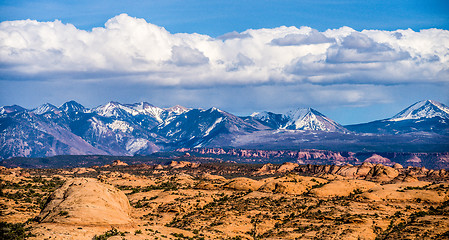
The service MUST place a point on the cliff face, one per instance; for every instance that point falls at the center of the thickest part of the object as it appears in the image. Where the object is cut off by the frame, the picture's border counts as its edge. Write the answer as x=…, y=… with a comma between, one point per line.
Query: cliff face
x=428, y=160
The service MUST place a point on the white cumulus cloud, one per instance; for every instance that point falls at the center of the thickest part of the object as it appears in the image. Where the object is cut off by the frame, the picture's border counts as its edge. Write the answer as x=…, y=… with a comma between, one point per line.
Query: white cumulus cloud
x=140, y=51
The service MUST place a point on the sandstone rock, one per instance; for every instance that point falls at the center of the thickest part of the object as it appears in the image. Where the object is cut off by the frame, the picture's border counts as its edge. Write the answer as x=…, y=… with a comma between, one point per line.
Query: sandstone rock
x=348, y=171
x=366, y=165
x=266, y=169
x=410, y=178
x=381, y=173
x=397, y=166
x=377, y=159
x=185, y=179
x=82, y=170
x=183, y=164
x=287, y=167
x=396, y=192
x=243, y=184
x=119, y=163
x=85, y=201
x=342, y=188
x=364, y=169
x=291, y=184
x=213, y=178
x=158, y=167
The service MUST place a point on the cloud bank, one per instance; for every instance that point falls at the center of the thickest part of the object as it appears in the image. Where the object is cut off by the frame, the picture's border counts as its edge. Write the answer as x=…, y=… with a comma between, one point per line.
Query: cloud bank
x=274, y=69
x=134, y=50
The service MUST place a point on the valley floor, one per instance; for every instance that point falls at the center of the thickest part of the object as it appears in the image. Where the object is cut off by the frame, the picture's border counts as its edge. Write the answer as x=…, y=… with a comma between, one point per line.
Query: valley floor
x=225, y=201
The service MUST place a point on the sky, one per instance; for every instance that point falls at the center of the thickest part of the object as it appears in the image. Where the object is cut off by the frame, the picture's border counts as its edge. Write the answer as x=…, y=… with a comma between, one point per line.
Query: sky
x=354, y=61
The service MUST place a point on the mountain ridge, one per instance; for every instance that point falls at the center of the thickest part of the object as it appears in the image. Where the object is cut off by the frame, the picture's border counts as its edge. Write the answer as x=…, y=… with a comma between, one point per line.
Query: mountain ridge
x=142, y=128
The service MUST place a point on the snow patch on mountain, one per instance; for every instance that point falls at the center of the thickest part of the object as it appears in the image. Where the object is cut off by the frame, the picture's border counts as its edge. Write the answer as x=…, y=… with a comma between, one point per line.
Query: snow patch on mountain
x=98, y=126
x=145, y=109
x=118, y=125
x=135, y=145
x=121, y=111
x=207, y=132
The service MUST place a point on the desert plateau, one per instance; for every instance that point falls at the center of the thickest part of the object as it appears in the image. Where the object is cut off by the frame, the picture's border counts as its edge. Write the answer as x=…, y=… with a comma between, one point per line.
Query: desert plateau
x=190, y=200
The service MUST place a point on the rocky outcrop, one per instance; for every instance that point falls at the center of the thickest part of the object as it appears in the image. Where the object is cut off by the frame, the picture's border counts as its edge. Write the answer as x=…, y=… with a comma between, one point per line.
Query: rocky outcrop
x=377, y=159
x=266, y=169
x=183, y=164
x=397, y=166
x=119, y=163
x=243, y=184
x=381, y=173
x=377, y=173
x=158, y=167
x=85, y=201
x=269, y=168
x=287, y=167
x=291, y=184
x=341, y=188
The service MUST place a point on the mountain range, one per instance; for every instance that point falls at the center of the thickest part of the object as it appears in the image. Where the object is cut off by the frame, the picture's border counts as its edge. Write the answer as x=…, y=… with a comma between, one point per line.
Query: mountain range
x=142, y=129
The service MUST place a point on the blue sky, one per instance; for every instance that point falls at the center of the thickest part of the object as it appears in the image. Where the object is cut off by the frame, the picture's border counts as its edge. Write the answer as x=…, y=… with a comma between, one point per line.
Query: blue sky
x=349, y=74
x=215, y=18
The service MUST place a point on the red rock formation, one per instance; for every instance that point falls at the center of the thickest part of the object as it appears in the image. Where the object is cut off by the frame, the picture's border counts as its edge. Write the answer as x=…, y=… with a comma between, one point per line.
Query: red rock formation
x=119, y=163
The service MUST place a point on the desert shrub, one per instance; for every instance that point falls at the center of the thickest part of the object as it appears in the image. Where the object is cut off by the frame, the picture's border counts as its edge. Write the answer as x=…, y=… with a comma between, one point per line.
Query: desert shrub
x=14, y=231
x=108, y=234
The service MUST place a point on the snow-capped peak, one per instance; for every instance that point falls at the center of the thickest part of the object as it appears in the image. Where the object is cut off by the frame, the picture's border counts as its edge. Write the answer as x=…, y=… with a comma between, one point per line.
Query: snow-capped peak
x=423, y=109
x=211, y=110
x=110, y=109
x=177, y=109
x=10, y=109
x=259, y=114
x=263, y=116
x=44, y=109
x=140, y=106
x=300, y=113
x=310, y=119
x=145, y=108
x=72, y=106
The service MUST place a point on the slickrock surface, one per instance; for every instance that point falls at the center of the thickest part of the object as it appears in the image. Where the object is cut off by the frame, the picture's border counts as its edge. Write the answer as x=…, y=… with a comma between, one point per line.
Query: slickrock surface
x=85, y=201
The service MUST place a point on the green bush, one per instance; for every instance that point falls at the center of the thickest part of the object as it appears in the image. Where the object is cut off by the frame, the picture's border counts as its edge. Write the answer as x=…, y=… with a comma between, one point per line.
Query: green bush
x=14, y=231
x=108, y=234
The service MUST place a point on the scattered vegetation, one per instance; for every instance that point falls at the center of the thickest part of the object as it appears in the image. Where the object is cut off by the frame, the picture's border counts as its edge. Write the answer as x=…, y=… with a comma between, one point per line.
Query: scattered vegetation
x=108, y=234
x=14, y=231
